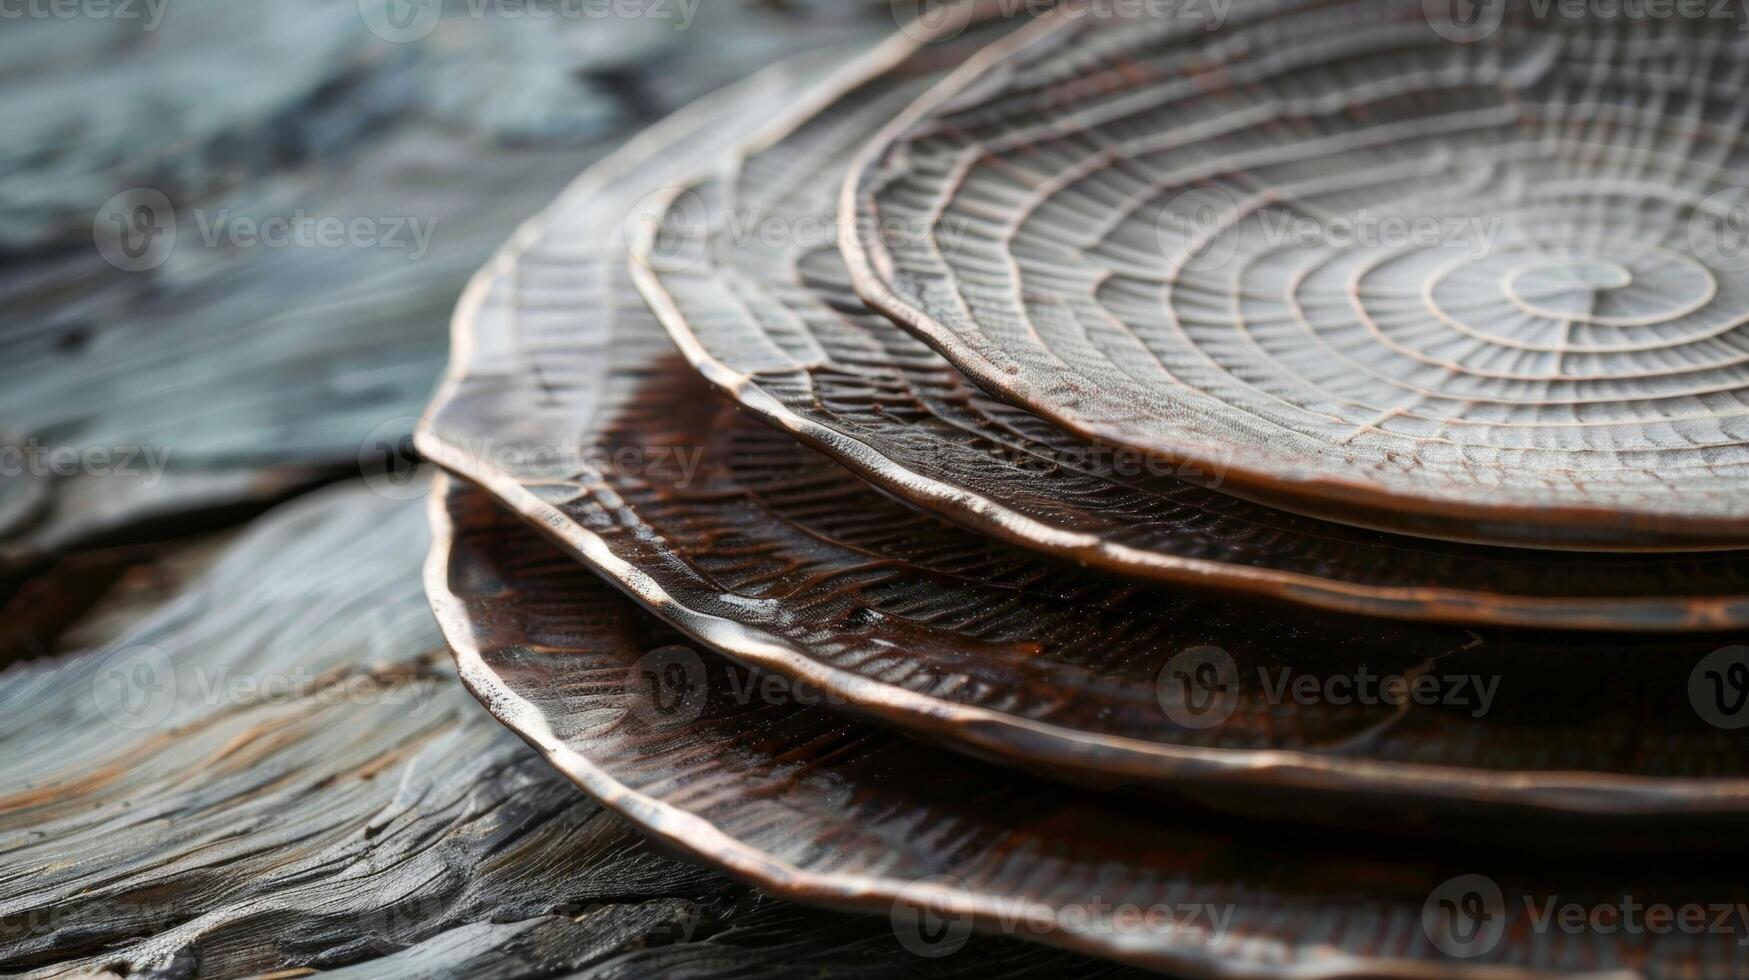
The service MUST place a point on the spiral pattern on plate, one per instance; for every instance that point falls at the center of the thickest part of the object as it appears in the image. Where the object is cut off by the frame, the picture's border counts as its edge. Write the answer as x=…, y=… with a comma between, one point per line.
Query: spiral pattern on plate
x=1492, y=290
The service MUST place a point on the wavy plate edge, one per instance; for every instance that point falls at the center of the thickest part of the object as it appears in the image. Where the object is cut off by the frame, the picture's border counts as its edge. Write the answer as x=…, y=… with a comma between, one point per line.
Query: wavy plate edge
x=1011, y=740
x=980, y=513
x=700, y=839
x=1257, y=477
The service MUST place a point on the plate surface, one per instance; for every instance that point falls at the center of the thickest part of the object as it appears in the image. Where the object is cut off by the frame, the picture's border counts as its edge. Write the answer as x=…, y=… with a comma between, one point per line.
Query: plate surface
x=568, y=402
x=744, y=270
x=1487, y=291
x=789, y=795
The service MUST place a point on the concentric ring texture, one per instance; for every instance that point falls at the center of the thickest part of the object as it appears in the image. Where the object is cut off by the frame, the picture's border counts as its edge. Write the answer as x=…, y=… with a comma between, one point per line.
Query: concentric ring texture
x=1493, y=290
x=569, y=404
x=744, y=269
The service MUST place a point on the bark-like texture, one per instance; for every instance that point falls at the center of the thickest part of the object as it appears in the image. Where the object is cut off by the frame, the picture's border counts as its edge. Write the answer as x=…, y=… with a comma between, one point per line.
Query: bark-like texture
x=219, y=373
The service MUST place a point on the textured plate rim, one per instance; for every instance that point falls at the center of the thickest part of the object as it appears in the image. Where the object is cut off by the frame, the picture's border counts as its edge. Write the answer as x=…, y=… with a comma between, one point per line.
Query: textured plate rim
x=1012, y=740
x=698, y=837
x=1661, y=614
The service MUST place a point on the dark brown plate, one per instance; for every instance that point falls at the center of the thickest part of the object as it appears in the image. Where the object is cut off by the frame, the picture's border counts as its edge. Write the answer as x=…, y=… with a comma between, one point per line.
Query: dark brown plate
x=744, y=271
x=1483, y=291
x=567, y=401
x=803, y=803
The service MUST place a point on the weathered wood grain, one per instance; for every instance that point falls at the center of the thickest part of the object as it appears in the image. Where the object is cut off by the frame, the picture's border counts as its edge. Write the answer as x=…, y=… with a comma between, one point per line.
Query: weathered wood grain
x=261, y=825
x=300, y=782
x=231, y=373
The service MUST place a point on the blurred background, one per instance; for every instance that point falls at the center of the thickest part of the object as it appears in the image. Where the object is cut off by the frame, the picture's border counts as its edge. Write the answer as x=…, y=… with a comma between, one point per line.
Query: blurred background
x=231, y=741
x=231, y=236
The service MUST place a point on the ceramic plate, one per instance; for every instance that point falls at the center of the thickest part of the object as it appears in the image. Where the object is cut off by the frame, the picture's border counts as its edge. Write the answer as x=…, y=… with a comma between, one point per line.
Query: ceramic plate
x=743, y=268
x=805, y=804
x=567, y=401
x=1486, y=288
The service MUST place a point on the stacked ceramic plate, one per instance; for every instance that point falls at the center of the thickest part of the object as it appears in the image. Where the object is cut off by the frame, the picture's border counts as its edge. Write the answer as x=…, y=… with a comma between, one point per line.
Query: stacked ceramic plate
x=1242, y=490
